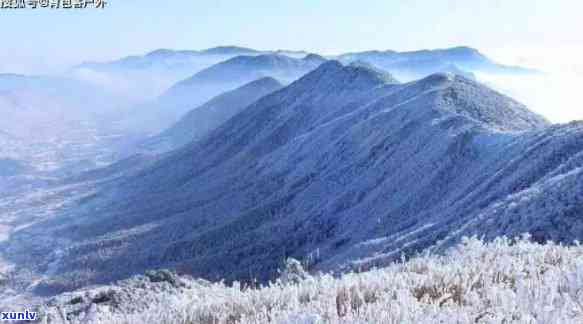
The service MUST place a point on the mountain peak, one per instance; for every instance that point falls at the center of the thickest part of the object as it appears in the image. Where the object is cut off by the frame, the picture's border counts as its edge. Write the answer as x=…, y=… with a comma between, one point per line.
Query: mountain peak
x=333, y=74
x=386, y=76
x=329, y=66
x=261, y=83
x=267, y=59
x=456, y=51
x=462, y=96
x=160, y=52
x=335, y=84
x=439, y=78
x=464, y=49
x=363, y=64
x=314, y=57
x=228, y=50
x=247, y=67
x=452, y=68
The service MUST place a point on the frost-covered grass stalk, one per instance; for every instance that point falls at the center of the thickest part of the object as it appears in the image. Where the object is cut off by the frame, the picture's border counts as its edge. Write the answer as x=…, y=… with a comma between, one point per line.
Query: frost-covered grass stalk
x=504, y=281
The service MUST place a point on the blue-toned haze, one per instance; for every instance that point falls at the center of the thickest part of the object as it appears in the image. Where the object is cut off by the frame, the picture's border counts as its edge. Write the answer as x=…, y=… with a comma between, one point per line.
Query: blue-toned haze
x=244, y=140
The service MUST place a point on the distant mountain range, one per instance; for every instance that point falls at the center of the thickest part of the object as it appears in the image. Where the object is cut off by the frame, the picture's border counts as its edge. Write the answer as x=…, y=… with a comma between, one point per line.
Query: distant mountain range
x=147, y=76
x=166, y=84
x=345, y=167
x=466, y=58
x=163, y=85
x=200, y=121
x=215, y=80
x=417, y=64
x=177, y=59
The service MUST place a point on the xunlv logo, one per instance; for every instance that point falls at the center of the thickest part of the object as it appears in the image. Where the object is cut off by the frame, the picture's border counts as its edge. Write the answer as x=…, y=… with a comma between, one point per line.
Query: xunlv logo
x=18, y=316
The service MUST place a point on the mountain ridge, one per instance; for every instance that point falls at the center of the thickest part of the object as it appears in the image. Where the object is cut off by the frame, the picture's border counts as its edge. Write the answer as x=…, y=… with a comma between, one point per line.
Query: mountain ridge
x=219, y=78
x=410, y=65
x=201, y=120
x=334, y=162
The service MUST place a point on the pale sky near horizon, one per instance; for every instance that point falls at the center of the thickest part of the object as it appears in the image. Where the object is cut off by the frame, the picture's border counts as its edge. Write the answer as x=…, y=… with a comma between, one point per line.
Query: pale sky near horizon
x=537, y=33
x=45, y=38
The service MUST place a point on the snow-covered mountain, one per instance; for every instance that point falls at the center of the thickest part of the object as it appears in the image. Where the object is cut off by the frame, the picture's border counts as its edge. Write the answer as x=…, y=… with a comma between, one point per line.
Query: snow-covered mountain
x=167, y=59
x=452, y=68
x=143, y=77
x=202, y=120
x=417, y=64
x=215, y=80
x=340, y=167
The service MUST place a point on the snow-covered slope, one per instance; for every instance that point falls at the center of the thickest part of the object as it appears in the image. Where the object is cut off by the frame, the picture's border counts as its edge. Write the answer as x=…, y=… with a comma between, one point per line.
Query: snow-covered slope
x=202, y=120
x=417, y=64
x=340, y=167
x=215, y=80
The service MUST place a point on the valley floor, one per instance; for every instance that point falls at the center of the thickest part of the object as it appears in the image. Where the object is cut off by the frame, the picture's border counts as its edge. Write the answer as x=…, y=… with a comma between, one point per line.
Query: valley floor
x=37, y=194
x=499, y=282
x=21, y=269
x=83, y=145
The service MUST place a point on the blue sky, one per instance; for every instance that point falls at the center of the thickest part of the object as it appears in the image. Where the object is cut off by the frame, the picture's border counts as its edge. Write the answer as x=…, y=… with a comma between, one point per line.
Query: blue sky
x=47, y=39
x=542, y=34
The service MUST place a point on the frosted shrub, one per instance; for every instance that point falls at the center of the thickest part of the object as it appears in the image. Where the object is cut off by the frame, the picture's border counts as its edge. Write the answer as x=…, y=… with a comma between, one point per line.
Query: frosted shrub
x=293, y=272
x=504, y=281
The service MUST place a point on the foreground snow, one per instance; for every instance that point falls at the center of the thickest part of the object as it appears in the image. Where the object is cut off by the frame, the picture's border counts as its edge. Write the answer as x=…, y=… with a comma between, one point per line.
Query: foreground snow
x=500, y=282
